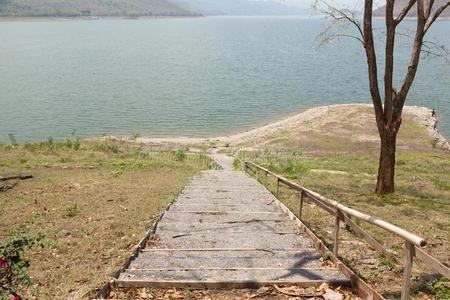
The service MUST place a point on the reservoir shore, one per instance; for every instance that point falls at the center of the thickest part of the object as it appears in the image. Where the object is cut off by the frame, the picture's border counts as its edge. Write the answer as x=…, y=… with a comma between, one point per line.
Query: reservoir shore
x=423, y=117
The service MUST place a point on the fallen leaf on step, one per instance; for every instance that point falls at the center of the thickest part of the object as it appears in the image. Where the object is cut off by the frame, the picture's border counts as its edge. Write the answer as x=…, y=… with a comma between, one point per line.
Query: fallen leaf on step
x=323, y=287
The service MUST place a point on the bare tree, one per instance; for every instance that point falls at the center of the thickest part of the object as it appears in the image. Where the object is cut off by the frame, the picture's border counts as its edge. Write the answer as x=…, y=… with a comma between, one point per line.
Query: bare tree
x=388, y=116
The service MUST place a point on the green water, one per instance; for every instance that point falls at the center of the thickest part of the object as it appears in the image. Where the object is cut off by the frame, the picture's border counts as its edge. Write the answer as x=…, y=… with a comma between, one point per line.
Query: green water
x=188, y=77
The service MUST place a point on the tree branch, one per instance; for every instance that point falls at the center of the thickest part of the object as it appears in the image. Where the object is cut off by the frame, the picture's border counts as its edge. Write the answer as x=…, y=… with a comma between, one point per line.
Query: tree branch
x=415, y=56
x=404, y=12
x=341, y=14
x=435, y=49
x=351, y=36
x=372, y=66
x=389, y=61
x=428, y=9
x=436, y=15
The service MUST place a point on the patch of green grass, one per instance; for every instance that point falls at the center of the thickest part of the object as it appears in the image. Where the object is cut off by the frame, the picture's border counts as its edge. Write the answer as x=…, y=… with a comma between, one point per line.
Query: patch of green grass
x=117, y=172
x=413, y=126
x=440, y=288
x=237, y=165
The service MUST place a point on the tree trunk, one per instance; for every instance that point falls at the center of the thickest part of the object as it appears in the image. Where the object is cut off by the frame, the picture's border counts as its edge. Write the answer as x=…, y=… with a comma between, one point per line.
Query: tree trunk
x=386, y=169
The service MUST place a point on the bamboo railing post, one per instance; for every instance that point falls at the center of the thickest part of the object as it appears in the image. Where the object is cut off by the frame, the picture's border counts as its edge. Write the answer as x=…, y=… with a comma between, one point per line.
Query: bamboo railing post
x=265, y=180
x=410, y=251
x=256, y=172
x=278, y=186
x=336, y=233
x=300, y=208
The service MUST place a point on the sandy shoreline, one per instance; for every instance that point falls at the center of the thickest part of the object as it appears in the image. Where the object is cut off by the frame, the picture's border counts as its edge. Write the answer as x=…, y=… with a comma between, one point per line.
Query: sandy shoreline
x=423, y=114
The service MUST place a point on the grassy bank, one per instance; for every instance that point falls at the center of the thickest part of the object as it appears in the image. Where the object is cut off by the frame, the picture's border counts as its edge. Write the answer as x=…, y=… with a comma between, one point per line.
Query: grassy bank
x=94, y=201
x=337, y=157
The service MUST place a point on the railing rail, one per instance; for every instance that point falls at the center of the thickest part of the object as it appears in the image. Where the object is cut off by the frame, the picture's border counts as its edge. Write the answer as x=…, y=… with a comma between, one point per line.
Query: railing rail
x=413, y=243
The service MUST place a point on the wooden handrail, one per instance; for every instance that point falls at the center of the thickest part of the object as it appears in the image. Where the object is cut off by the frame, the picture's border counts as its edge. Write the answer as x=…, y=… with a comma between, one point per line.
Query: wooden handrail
x=402, y=233
x=413, y=243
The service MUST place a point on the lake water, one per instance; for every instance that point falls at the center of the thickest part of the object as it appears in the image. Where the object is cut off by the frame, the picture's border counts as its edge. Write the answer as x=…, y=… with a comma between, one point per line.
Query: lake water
x=185, y=77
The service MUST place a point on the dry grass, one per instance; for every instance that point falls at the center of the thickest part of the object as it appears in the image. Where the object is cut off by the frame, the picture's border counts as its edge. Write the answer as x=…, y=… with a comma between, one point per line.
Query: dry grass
x=95, y=216
x=349, y=144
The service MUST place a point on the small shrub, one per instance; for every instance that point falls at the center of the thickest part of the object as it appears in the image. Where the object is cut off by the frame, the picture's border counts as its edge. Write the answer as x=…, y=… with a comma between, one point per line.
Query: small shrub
x=138, y=152
x=68, y=143
x=325, y=256
x=13, y=265
x=107, y=147
x=72, y=211
x=439, y=288
x=50, y=143
x=65, y=159
x=134, y=136
x=77, y=144
x=180, y=155
x=173, y=199
x=434, y=143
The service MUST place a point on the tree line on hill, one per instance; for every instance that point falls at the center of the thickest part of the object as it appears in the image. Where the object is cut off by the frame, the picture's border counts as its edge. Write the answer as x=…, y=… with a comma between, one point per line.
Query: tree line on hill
x=85, y=8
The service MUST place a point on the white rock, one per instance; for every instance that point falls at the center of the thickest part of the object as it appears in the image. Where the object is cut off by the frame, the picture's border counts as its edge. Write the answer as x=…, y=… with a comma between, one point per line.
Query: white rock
x=332, y=295
x=262, y=290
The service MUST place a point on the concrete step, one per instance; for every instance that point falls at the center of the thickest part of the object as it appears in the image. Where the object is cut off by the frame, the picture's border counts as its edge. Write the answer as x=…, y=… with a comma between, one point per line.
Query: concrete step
x=222, y=217
x=229, y=278
x=255, y=226
x=241, y=239
x=205, y=207
x=227, y=259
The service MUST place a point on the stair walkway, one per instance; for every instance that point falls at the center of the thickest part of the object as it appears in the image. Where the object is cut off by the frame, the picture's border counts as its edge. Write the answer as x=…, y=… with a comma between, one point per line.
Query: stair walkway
x=224, y=231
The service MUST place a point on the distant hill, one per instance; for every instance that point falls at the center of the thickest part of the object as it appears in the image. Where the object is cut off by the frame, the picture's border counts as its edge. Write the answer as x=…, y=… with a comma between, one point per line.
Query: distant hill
x=243, y=7
x=76, y=8
x=400, y=4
